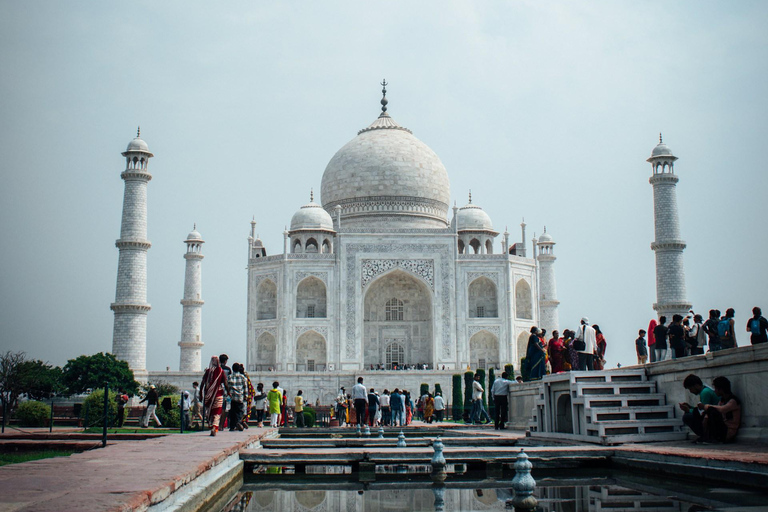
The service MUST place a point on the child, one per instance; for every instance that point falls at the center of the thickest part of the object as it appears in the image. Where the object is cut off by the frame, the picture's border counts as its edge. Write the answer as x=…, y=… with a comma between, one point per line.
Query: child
x=641, y=348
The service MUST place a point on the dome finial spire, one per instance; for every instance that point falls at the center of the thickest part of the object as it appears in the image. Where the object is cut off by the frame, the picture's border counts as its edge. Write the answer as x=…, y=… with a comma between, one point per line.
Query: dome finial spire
x=470, y=196
x=194, y=226
x=384, y=96
x=660, y=141
x=138, y=132
x=311, y=195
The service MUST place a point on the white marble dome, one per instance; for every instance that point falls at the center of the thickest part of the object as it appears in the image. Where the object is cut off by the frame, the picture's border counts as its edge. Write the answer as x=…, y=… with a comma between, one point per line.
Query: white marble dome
x=545, y=238
x=387, y=177
x=472, y=218
x=194, y=236
x=661, y=149
x=312, y=217
x=137, y=144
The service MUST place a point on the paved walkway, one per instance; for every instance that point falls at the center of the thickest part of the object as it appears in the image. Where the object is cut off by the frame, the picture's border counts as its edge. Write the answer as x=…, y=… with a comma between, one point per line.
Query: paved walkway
x=132, y=475
x=124, y=476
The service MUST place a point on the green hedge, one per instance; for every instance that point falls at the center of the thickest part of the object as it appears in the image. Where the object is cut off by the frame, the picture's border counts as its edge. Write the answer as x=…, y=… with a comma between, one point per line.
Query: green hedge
x=457, y=408
x=423, y=389
x=171, y=418
x=469, y=376
x=438, y=389
x=33, y=413
x=93, y=409
x=510, y=369
x=491, y=404
x=310, y=416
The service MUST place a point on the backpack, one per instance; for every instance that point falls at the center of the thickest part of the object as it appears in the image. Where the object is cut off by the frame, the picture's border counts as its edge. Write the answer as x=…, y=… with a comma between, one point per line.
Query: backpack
x=754, y=326
x=723, y=328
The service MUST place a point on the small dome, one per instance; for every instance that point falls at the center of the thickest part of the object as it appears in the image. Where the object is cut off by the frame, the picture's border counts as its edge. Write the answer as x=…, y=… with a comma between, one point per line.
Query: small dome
x=194, y=236
x=311, y=216
x=545, y=238
x=473, y=218
x=661, y=150
x=258, y=243
x=138, y=144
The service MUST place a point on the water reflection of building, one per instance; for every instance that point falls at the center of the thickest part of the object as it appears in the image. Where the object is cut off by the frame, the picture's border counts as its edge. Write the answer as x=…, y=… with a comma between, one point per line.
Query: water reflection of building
x=554, y=498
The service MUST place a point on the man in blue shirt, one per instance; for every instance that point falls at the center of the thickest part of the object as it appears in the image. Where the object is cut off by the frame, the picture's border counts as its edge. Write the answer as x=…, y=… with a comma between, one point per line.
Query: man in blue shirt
x=396, y=404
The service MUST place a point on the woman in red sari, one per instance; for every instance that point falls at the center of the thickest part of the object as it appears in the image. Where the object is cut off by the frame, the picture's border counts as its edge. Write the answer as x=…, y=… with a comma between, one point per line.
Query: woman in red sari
x=556, y=351
x=600, y=346
x=213, y=394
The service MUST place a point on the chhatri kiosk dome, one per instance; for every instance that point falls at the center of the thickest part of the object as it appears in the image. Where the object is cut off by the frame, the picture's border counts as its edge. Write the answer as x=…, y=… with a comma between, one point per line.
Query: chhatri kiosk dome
x=386, y=170
x=378, y=277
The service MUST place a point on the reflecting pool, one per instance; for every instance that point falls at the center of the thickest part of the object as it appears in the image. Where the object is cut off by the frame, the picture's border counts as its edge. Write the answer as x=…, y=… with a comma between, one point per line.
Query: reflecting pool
x=393, y=489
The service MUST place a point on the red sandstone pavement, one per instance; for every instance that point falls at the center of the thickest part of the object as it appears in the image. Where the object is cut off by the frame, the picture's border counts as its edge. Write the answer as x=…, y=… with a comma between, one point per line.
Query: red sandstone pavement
x=126, y=475
x=131, y=475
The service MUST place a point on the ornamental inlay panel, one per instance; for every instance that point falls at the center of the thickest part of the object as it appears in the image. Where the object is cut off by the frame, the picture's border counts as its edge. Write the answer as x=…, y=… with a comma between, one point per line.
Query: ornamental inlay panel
x=323, y=276
x=423, y=269
x=444, y=275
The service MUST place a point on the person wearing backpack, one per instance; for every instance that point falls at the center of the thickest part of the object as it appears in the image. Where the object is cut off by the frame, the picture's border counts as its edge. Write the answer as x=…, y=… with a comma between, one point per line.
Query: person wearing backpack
x=710, y=329
x=697, y=336
x=757, y=327
x=725, y=330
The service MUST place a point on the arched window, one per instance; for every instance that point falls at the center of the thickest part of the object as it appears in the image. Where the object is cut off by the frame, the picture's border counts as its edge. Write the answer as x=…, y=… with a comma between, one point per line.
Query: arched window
x=482, y=299
x=395, y=355
x=394, y=310
x=266, y=300
x=326, y=246
x=475, y=244
x=488, y=246
x=311, y=298
x=311, y=245
x=461, y=246
x=523, y=302
x=296, y=246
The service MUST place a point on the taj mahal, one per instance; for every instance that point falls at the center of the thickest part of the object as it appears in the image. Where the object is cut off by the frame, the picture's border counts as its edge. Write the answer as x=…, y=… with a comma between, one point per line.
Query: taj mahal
x=380, y=277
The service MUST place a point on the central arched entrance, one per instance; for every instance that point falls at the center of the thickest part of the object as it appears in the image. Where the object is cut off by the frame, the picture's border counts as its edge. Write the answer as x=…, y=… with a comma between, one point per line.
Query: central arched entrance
x=397, y=322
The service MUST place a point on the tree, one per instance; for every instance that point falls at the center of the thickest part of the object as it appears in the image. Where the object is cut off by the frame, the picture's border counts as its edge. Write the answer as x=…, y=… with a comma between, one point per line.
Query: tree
x=10, y=384
x=510, y=369
x=458, y=402
x=423, y=389
x=40, y=380
x=91, y=372
x=491, y=404
x=469, y=376
x=162, y=387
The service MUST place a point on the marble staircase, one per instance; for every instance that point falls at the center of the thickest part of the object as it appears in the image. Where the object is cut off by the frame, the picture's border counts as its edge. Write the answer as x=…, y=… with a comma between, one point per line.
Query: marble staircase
x=604, y=407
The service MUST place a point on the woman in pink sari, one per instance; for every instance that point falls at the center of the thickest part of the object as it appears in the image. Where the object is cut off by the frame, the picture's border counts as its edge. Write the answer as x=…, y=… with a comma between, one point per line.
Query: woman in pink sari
x=213, y=394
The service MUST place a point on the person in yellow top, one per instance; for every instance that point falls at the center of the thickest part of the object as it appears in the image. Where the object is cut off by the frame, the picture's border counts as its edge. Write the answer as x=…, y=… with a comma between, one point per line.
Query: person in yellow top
x=298, y=410
x=275, y=397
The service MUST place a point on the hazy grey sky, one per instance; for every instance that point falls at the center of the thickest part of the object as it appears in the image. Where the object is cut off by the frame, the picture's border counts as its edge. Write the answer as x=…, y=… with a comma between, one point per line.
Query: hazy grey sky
x=545, y=110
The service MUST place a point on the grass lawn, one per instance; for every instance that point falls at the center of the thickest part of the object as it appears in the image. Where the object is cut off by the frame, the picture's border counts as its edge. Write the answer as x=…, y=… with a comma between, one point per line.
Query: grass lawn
x=15, y=458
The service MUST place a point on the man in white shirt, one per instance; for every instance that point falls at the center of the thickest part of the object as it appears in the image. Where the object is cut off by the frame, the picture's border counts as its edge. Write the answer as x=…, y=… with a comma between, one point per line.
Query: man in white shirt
x=360, y=398
x=500, y=392
x=386, y=412
x=477, y=402
x=586, y=338
x=439, y=407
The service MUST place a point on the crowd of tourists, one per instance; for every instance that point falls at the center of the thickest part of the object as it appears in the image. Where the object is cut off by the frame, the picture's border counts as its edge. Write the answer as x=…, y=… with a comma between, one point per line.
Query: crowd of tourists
x=390, y=408
x=692, y=335
x=581, y=349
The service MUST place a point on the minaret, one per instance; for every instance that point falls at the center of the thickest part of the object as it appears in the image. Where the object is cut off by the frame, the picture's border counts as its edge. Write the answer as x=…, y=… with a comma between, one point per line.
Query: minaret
x=191, y=319
x=548, y=317
x=670, y=273
x=129, y=338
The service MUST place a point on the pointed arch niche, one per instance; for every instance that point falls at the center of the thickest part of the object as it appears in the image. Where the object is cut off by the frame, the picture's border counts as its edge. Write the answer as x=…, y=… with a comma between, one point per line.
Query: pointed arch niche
x=311, y=299
x=483, y=301
x=311, y=352
x=397, y=309
x=484, y=350
x=523, y=300
x=266, y=351
x=266, y=300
